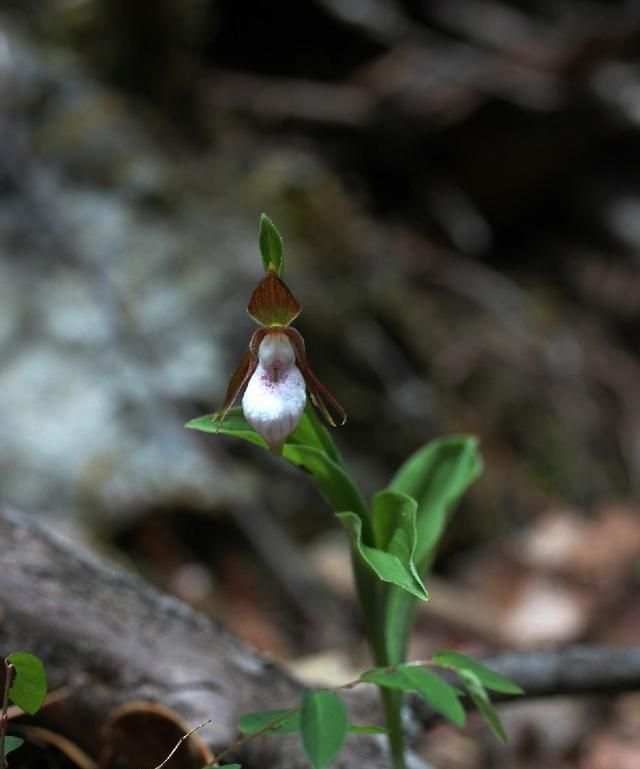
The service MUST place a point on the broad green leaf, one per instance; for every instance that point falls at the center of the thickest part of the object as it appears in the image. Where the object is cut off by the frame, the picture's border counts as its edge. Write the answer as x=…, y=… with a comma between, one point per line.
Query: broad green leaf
x=234, y=424
x=489, y=679
x=311, y=432
x=12, y=743
x=307, y=432
x=482, y=702
x=324, y=723
x=435, y=476
x=30, y=685
x=270, y=246
x=329, y=477
x=354, y=729
x=305, y=448
x=442, y=697
x=284, y=722
x=394, y=527
x=387, y=566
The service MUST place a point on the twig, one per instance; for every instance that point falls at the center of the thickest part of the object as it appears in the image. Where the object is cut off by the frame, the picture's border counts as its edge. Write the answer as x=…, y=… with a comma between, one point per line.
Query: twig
x=61, y=693
x=180, y=741
x=578, y=669
x=7, y=681
x=574, y=670
x=283, y=716
x=248, y=737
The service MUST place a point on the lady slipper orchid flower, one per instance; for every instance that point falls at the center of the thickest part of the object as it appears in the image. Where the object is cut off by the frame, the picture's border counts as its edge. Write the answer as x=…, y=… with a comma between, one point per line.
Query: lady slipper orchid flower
x=275, y=370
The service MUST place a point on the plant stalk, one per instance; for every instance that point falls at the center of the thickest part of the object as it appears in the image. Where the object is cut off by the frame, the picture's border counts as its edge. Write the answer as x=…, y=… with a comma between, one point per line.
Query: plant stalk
x=371, y=595
x=392, y=702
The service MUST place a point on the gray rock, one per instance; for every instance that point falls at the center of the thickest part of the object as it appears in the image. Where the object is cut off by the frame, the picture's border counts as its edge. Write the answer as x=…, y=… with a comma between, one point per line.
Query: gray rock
x=117, y=308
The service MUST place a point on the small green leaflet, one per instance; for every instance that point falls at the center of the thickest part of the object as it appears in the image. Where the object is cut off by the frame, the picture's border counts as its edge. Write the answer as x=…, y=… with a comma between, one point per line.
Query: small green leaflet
x=270, y=246
x=442, y=697
x=324, y=723
x=11, y=743
x=489, y=679
x=354, y=729
x=30, y=685
x=224, y=766
x=481, y=700
x=285, y=722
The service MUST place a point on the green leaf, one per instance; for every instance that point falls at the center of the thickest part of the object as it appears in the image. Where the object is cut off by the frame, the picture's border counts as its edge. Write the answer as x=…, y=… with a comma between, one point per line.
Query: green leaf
x=287, y=722
x=329, y=477
x=324, y=723
x=30, y=685
x=442, y=697
x=354, y=729
x=11, y=744
x=435, y=476
x=481, y=700
x=387, y=566
x=307, y=447
x=489, y=679
x=311, y=432
x=394, y=526
x=224, y=766
x=270, y=246
x=234, y=424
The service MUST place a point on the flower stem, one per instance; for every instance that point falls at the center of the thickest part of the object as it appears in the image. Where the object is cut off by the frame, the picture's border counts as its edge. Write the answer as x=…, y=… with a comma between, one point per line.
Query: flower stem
x=392, y=702
x=371, y=594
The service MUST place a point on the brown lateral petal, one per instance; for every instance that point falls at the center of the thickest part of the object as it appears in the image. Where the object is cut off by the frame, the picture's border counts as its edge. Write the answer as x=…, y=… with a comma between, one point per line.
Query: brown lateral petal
x=241, y=375
x=320, y=396
x=272, y=304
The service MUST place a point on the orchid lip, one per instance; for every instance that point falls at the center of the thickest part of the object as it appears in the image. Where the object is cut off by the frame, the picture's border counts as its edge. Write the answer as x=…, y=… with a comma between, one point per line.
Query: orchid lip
x=275, y=396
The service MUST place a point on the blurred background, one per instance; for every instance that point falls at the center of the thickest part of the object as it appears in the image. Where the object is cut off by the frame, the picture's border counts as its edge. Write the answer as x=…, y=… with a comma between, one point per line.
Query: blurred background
x=458, y=186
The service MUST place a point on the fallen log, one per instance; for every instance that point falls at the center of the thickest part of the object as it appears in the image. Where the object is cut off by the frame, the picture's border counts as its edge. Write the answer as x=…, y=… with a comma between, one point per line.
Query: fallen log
x=115, y=639
x=111, y=639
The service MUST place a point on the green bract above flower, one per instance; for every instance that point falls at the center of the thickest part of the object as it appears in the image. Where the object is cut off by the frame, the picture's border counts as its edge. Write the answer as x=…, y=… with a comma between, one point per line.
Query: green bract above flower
x=275, y=369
